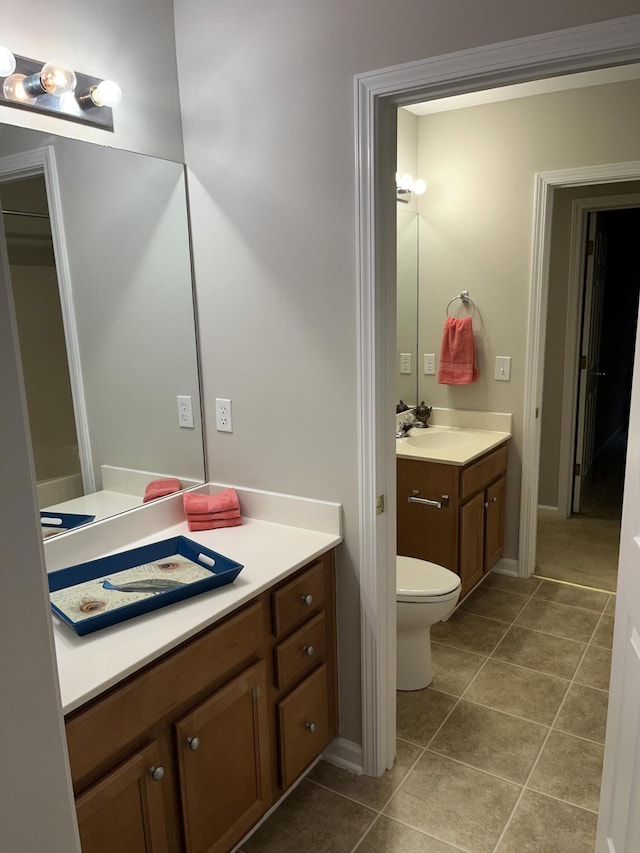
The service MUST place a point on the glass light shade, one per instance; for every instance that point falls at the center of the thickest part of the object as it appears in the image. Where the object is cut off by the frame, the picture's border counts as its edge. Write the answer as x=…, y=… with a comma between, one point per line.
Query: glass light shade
x=7, y=62
x=13, y=89
x=405, y=182
x=419, y=186
x=106, y=94
x=57, y=78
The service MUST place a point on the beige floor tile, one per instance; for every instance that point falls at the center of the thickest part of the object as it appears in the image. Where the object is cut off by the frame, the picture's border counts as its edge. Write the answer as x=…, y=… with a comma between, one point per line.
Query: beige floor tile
x=543, y=825
x=370, y=790
x=531, y=695
x=453, y=668
x=392, y=837
x=584, y=713
x=456, y=804
x=312, y=819
x=595, y=669
x=419, y=713
x=490, y=741
x=558, y=619
x=469, y=632
x=603, y=635
x=589, y=599
x=570, y=769
x=610, y=609
x=579, y=550
x=494, y=604
x=507, y=583
x=542, y=652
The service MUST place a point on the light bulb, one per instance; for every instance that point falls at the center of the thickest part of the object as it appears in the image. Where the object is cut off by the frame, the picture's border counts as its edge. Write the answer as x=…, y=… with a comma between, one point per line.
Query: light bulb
x=405, y=182
x=419, y=186
x=7, y=62
x=13, y=89
x=106, y=94
x=57, y=79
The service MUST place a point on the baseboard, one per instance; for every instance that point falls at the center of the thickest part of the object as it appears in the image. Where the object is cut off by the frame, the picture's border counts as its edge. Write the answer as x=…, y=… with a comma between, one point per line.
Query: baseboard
x=506, y=566
x=548, y=511
x=344, y=753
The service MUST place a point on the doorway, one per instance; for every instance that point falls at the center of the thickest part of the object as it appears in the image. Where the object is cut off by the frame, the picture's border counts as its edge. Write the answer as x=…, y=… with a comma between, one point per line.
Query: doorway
x=579, y=526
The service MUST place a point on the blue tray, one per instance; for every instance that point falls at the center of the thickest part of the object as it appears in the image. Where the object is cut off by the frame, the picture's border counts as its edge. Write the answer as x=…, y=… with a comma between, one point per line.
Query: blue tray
x=219, y=571
x=63, y=520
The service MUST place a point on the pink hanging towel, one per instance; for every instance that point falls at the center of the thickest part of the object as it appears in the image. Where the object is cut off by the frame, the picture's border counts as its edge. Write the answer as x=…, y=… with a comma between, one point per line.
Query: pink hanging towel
x=458, y=353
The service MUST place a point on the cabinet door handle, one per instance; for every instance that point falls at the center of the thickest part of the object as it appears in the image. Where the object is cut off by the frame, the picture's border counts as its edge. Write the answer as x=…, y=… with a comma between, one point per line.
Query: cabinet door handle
x=193, y=743
x=309, y=651
x=414, y=498
x=310, y=727
x=156, y=773
x=307, y=599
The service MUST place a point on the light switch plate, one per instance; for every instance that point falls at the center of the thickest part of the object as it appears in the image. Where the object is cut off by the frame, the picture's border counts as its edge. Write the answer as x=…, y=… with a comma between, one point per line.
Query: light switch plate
x=503, y=368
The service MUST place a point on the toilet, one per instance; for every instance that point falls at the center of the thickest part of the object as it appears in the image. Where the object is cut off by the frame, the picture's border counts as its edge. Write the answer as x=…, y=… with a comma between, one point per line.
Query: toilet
x=426, y=593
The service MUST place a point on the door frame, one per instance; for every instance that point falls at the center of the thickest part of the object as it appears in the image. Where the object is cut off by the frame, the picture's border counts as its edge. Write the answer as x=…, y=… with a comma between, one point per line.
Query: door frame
x=580, y=209
x=42, y=161
x=378, y=94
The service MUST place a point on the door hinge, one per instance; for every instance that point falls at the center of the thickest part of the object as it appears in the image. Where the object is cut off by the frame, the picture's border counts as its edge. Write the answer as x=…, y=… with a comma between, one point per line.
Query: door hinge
x=380, y=504
x=583, y=362
x=590, y=247
x=576, y=469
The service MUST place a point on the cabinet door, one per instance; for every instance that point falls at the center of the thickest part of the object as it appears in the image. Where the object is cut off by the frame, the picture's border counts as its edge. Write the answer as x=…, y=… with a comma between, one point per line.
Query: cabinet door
x=124, y=810
x=471, y=542
x=223, y=755
x=494, y=533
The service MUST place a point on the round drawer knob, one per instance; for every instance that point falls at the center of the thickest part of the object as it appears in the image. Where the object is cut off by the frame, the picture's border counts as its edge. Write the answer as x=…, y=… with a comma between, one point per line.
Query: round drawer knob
x=193, y=743
x=307, y=599
x=493, y=500
x=309, y=651
x=310, y=727
x=156, y=773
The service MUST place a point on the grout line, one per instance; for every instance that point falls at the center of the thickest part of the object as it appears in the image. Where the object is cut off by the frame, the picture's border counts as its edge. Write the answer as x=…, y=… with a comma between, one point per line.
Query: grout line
x=476, y=769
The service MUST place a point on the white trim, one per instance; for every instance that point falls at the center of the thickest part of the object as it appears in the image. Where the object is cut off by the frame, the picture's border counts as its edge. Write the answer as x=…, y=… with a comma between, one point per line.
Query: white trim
x=607, y=43
x=506, y=566
x=579, y=210
x=42, y=161
x=344, y=753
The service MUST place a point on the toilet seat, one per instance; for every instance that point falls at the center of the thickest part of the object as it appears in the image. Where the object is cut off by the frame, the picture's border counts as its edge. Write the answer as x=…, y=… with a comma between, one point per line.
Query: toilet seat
x=421, y=580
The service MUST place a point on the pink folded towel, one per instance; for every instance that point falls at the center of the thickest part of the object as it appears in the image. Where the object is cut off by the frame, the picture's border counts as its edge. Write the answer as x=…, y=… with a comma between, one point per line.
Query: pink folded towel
x=213, y=525
x=212, y=516
x=159, y=488
x=206, y=504
x=458, y=353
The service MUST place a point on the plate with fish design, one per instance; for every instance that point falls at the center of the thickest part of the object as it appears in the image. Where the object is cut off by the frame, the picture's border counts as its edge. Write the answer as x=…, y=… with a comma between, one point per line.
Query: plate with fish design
x=94, y=595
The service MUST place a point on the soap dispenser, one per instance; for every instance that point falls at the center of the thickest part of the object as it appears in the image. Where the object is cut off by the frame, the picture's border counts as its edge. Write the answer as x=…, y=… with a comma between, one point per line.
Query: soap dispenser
x=423, y=413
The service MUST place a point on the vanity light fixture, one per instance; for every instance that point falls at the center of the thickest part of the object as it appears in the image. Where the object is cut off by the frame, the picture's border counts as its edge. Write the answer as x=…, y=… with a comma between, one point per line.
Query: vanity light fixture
x=56, y=89
x=405, y=185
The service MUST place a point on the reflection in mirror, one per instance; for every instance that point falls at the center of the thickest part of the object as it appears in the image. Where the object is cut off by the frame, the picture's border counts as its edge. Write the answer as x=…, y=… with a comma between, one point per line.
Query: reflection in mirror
x=98, y=247
x=407, y=306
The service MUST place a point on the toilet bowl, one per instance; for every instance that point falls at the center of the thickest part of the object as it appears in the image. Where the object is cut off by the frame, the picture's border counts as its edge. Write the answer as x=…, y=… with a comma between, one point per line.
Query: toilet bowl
x=426, y=593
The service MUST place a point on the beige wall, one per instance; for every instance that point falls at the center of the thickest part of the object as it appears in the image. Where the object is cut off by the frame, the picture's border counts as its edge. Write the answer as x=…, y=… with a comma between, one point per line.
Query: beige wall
x=407, y=260
x=476, y=223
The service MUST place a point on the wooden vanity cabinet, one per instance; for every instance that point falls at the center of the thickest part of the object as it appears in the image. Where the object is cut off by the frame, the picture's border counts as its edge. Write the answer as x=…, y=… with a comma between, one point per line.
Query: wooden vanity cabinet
x=186, y=755
x=466, y=532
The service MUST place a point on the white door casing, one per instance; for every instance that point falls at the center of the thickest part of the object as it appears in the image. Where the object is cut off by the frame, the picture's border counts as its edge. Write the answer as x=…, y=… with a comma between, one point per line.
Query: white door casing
x=619, y=823
x=377, y=95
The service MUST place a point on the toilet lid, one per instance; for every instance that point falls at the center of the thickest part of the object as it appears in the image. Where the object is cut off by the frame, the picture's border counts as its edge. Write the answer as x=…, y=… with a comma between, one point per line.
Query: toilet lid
x=420, y=577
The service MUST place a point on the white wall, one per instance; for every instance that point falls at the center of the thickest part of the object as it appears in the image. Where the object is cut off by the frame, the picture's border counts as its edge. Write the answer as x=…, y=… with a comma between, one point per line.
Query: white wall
x=476, y=225
x=270, y=146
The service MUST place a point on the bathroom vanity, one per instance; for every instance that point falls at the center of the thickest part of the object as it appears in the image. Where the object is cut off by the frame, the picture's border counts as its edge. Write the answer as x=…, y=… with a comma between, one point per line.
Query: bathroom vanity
x=184, y=726
x=451, y=487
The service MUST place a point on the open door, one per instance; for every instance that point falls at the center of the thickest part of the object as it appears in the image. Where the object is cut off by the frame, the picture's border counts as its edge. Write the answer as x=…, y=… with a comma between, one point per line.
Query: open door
x=589, y=357
x=619, y=821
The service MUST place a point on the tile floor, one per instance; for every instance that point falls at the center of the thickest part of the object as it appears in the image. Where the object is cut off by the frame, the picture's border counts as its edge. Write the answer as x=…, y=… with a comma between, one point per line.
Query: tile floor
x=502, y=753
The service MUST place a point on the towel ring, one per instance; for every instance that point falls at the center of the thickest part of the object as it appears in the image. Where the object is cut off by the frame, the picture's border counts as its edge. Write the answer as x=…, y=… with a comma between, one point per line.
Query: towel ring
x=466, y=301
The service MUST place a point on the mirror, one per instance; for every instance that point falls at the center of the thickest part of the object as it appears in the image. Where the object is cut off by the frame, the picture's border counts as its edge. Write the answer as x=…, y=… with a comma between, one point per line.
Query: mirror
x=99, y=255
x=407, y=306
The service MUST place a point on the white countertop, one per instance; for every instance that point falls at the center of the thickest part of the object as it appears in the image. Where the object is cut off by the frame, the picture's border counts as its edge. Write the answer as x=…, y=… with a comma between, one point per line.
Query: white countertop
x=269, y=552
x=451, y=445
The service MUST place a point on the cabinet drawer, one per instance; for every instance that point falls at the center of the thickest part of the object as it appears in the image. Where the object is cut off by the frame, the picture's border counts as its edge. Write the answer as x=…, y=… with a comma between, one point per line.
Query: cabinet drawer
x=301, y=652
x=107, y=729
x=294, y=602
x=481, y=473
x=303, y=722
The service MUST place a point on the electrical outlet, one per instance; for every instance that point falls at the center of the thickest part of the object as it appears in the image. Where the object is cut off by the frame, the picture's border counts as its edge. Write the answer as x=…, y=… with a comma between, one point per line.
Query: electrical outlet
x=405, y=362
x=429, y=364
x=223, y=416
x=185, y=412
